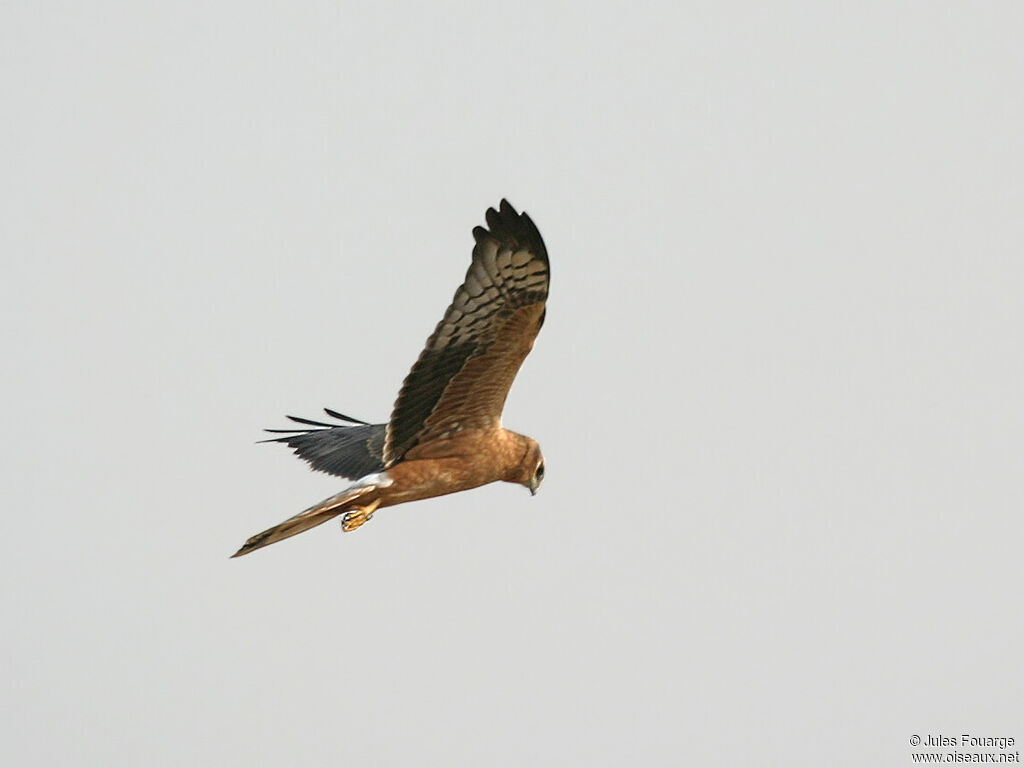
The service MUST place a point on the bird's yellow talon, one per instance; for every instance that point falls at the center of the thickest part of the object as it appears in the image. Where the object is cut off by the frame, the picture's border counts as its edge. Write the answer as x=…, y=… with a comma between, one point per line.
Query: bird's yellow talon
x=358, y=517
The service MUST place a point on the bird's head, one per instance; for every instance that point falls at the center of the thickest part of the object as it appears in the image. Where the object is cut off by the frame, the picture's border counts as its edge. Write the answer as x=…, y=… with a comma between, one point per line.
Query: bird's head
x=538, y=475
x=530, y=471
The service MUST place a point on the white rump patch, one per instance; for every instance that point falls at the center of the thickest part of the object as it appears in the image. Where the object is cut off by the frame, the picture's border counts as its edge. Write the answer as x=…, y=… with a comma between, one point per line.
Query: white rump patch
x=376, y=480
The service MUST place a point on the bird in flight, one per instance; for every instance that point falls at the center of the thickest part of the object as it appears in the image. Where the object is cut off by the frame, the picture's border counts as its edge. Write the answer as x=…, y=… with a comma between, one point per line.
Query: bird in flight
x=445, y=433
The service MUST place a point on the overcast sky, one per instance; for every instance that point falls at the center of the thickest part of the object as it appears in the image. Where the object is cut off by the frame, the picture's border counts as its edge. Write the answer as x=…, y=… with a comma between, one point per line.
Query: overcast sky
x=779, y=389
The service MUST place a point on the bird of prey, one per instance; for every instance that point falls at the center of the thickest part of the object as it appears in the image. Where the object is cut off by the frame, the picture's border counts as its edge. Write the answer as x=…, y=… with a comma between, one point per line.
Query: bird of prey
x=445, y=433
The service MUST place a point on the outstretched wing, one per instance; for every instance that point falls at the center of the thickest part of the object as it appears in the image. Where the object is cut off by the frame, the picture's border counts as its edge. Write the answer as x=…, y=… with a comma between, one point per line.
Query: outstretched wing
x=462, y=377
x=347, y=450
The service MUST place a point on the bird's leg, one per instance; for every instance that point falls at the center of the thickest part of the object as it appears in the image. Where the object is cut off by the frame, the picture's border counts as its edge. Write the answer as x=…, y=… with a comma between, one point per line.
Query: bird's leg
x=358, y=516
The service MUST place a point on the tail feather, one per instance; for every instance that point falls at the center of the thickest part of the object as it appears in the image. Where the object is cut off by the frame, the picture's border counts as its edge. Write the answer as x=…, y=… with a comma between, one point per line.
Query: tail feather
x=310, y=518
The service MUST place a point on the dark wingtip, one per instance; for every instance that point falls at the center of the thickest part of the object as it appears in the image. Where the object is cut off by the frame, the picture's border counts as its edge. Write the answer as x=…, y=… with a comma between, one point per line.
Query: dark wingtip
x=505, y=224
x=310, y=422
x=320, y=425
x=493, y=220
x=342, y=417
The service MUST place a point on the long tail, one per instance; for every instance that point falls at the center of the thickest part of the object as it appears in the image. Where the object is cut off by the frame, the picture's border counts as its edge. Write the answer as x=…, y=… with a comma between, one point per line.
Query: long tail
x=310, y=518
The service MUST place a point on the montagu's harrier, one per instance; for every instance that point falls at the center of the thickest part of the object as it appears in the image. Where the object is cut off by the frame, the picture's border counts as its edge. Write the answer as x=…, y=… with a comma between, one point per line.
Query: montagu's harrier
x=445, y=432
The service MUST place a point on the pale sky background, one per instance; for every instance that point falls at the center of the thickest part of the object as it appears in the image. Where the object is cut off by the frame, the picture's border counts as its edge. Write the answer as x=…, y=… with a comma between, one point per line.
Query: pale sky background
x=779, y=389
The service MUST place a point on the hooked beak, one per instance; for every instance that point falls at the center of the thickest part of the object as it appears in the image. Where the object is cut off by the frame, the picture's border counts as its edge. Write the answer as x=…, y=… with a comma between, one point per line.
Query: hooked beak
x=534, y=485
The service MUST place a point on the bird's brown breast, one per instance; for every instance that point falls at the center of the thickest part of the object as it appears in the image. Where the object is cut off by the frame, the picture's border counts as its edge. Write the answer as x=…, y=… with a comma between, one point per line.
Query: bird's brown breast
x=465, y=460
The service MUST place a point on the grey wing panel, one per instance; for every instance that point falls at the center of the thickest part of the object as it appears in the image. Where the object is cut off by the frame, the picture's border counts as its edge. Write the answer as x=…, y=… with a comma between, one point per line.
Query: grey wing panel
x=347, y=451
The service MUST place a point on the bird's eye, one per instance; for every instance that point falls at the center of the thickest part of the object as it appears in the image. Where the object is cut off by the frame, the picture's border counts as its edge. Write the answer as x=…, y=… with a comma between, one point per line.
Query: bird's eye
x=540, y=471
